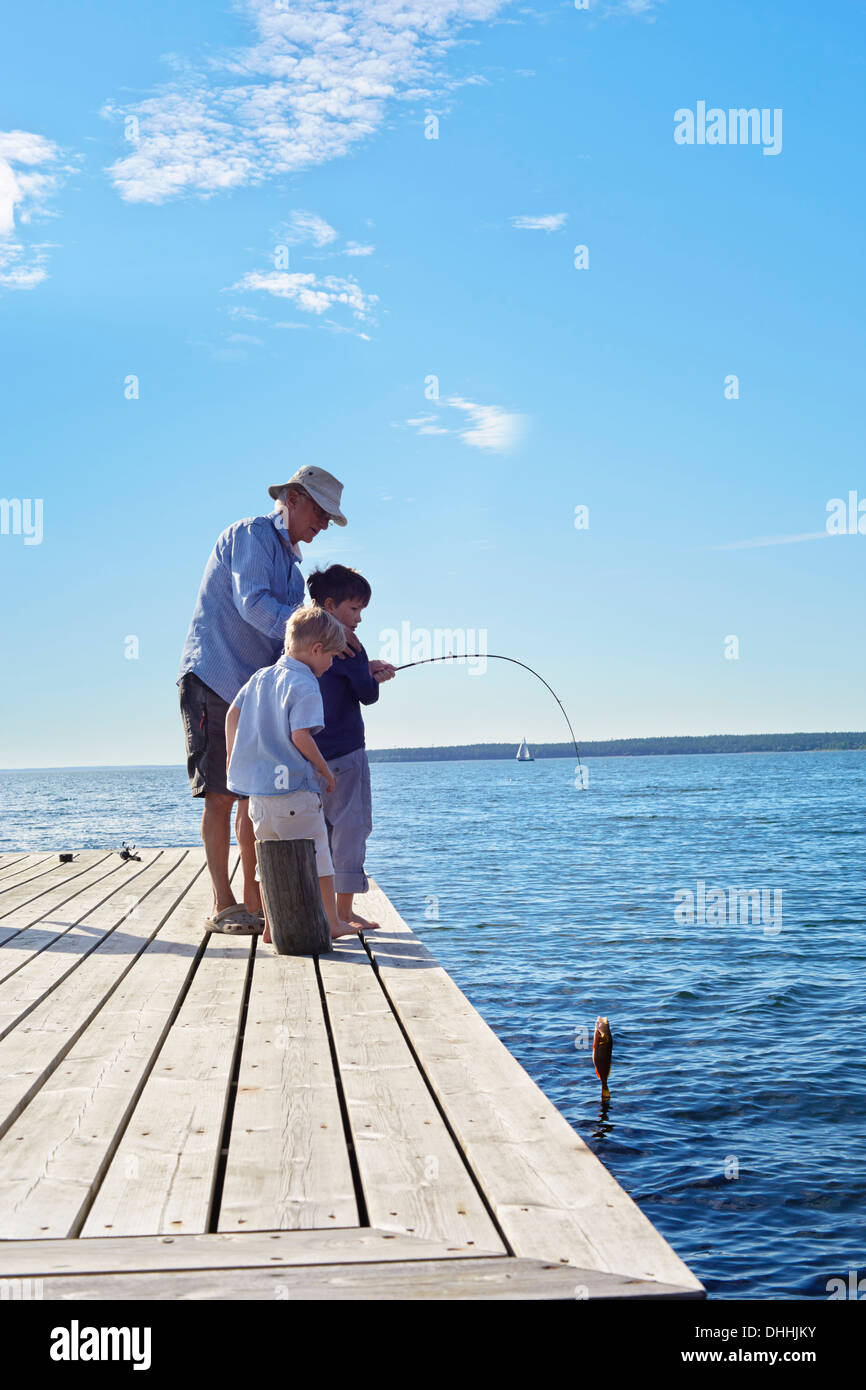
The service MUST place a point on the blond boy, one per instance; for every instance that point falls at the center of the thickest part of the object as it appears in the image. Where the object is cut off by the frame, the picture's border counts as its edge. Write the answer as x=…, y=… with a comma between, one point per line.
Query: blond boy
x=272, y=755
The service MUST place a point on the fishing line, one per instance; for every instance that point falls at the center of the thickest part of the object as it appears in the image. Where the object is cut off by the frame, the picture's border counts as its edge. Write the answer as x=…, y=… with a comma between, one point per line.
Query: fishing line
x=493, y=657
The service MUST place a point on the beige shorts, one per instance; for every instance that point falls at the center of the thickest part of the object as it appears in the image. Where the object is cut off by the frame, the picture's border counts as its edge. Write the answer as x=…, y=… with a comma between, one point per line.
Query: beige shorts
x=294, y=816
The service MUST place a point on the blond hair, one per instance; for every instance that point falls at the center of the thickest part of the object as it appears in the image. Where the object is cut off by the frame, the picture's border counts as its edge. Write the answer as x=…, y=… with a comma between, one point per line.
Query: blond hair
x=309, y=625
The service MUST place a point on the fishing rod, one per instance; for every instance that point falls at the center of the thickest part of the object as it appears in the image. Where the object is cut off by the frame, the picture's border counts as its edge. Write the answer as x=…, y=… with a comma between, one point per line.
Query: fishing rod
x=493, y=657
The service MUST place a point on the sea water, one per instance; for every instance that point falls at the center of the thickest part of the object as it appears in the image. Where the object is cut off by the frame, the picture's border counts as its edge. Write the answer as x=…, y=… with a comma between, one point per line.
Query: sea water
x=712, y=906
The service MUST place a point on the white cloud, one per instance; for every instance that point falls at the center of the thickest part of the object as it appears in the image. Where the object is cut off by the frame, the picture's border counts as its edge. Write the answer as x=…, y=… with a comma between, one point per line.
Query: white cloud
x=491, y=427
x=426, y=424
x=218, y=351
x=634, y=7
x=546, y=222
x=315, y=82
x=773, y=540
x=308, y=226
x=333, y=327
x=25, y=189
x=23, y=192
x=238, y=311
x=309, y=292
x=21, y=267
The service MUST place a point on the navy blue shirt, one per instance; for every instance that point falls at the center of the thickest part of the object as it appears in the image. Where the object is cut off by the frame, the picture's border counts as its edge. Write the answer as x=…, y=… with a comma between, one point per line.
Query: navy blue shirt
x=345, y=687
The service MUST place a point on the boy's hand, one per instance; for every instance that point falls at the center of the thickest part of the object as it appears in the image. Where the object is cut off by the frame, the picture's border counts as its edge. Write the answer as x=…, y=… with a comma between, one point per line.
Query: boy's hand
x=352, y=645
x=330, y=781
x=382, y=671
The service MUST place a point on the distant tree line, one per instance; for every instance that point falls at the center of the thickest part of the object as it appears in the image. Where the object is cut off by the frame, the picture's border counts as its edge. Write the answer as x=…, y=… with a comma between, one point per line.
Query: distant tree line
x=632, y=747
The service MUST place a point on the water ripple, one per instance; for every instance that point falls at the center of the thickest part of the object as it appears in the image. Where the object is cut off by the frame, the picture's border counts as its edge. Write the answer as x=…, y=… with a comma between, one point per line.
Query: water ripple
x=736, y=1117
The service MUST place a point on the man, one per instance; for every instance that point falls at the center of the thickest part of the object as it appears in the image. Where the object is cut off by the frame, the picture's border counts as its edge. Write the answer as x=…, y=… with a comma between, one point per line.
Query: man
x=251, y=587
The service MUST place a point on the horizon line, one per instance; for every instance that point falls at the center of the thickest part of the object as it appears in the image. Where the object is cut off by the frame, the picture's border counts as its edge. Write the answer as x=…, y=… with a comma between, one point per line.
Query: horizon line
x=500, y=743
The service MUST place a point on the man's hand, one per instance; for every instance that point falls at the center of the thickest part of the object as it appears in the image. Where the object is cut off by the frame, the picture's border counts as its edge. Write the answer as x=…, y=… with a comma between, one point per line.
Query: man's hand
x=352, y=645
x=330, y=781
x=382, y=671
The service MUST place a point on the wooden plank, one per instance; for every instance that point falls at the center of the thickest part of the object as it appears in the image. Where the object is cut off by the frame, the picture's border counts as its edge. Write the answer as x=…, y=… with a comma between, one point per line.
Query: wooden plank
x=19, y=862
x=161, y=1178
x=51, y=870
x=288, y=1164
x=476, y=1279
x=11, y=856
x=412, y=1173
x=53, y=1156
x=115, y=922
x=28, y=885
x=72, y=919
x=28, y=867
x=79, y=1059
x=16, y=915
x=231, y=1250
x=552, y=1197
x=42, y=1039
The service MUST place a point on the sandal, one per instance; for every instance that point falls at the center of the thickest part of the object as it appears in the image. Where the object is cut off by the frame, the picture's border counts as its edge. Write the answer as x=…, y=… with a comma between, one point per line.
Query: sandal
x=234, y=921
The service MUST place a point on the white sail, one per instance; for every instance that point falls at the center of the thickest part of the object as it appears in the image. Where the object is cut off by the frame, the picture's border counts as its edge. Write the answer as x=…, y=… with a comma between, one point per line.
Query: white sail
x=523, y=753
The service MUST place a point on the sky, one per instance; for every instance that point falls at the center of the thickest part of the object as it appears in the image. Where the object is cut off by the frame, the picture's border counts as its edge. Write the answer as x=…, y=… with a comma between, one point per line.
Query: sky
x=591, y=386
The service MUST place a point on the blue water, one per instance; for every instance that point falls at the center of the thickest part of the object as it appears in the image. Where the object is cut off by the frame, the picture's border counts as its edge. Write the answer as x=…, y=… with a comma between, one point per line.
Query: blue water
x=737, y=1117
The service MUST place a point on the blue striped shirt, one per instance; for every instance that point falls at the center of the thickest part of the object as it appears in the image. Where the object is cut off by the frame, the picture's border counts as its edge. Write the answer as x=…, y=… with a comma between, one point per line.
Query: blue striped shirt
x=250, y=588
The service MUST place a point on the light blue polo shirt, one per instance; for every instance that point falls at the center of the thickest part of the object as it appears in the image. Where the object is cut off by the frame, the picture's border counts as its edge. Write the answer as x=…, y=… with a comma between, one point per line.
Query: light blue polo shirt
x=274, y=702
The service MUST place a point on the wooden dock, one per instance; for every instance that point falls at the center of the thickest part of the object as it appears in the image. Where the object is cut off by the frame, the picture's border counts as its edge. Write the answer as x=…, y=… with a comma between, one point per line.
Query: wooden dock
x=189, y=1116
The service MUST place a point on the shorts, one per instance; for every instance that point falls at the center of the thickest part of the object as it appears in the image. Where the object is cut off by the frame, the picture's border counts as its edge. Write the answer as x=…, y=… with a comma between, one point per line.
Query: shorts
x=204, y=721
x=293, y=816
x=349, y=814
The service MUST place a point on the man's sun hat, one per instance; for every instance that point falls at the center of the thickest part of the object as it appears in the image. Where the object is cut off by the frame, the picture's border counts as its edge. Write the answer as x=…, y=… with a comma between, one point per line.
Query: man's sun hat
x=323, y=487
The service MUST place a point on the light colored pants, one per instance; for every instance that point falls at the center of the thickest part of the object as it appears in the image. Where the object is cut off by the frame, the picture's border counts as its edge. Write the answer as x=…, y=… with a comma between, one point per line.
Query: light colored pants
x=293, y=816
x=349, y=815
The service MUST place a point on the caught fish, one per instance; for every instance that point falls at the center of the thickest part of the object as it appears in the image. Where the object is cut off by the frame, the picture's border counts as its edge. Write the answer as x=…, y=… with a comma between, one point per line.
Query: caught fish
x=602, y=1048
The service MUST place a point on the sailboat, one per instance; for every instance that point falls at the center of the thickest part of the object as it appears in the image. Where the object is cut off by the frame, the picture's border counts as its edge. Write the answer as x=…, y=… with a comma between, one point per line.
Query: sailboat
x=523, y=753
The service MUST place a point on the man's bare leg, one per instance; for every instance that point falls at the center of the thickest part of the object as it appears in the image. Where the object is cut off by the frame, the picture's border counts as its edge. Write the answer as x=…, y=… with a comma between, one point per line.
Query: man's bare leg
x=247, y=844
x=347, y=913
x=216, y=823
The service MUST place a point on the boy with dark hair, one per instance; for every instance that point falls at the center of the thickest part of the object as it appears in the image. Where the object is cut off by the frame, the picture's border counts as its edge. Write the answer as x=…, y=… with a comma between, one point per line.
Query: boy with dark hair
x=348, y=684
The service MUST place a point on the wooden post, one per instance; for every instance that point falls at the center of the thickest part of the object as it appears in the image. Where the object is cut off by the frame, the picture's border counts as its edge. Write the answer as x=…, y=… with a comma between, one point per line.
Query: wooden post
x=292, y=898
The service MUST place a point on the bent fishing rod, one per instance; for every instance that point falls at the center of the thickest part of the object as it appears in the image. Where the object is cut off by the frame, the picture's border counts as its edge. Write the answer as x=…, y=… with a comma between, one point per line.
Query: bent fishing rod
x=494, y=657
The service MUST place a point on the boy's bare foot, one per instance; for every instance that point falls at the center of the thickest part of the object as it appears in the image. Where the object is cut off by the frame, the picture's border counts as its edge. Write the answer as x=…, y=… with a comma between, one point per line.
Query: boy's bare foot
x=266, y=936
x=342, y=929
x=362, y=923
